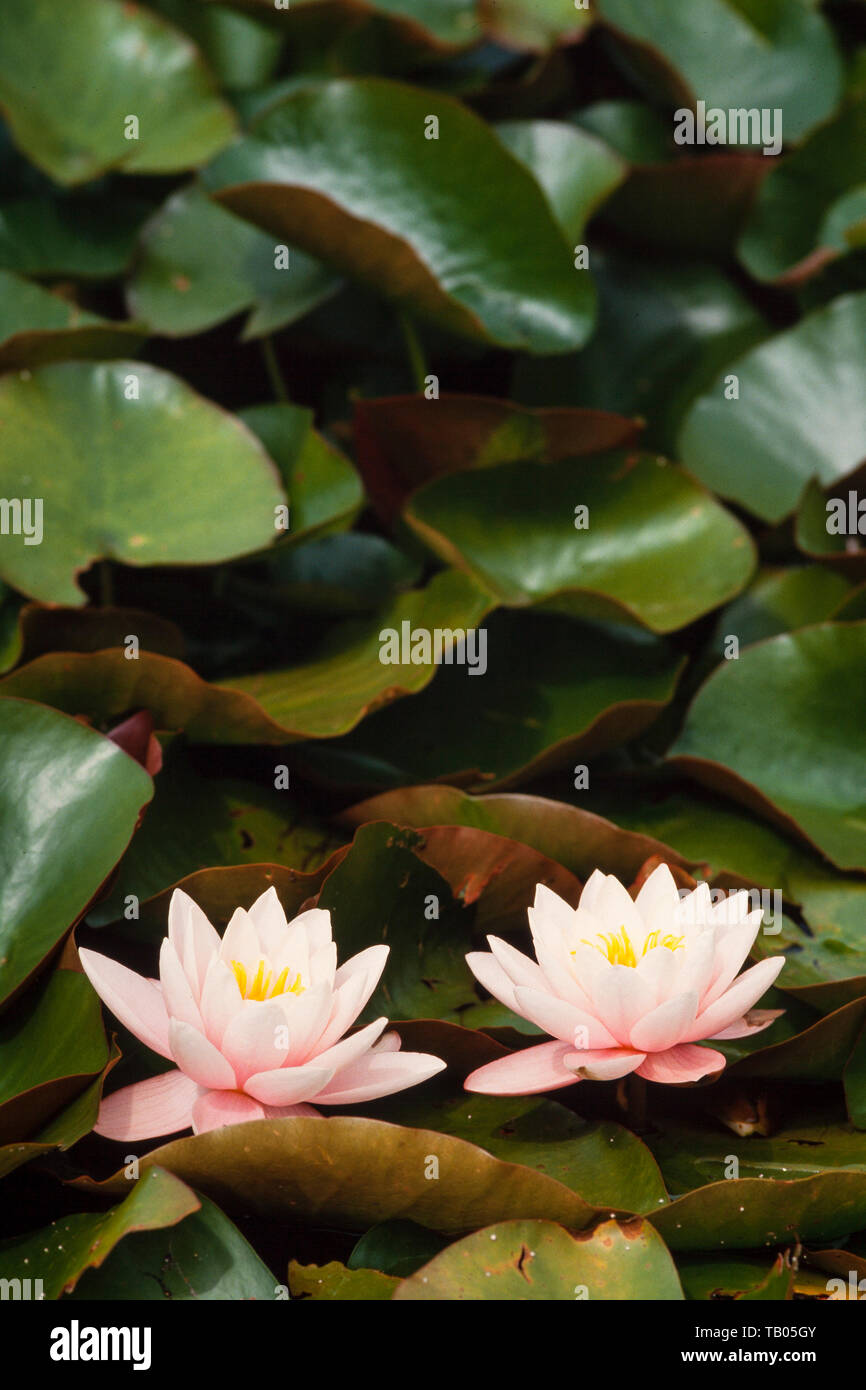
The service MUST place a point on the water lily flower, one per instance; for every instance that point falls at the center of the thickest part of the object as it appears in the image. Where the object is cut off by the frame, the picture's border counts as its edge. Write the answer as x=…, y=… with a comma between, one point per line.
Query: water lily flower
x=626, y=985
x=254, y=1023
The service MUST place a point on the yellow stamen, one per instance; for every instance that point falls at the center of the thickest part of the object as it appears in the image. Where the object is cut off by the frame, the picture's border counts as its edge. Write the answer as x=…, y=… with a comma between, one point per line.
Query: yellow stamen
x=261, y=988
x=618, y=949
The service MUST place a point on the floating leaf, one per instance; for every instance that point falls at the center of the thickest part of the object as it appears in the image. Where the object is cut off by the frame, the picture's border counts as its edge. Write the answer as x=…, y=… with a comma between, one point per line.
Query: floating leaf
x=88, y=236
x=324, y=489
x=576, y=171
x=733, y=53
x=335, y=1281
x=37, y=327
x=804, y=209
x=761, y=448
x=589, y=688
x=61, y=1253
x=202, y=1256
x=145, y=68
x=148, y=451
x=51, y=1044
x=539, y=1260
x=666, y=327
x=69, y=802
x=765, y=752
x=744, y=1214
x=199, y=265
x=653, y=548
x=351, y=1173
x=409, y=222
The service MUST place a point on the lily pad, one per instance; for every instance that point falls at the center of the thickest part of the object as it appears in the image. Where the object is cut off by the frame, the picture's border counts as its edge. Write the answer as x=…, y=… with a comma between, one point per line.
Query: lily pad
x=762, y=448
x=61, y=1253
x=350, y=1173
x=765, y=752
x=344, y=171
x=576, y=170
x=334, y=1281
x=733, y=53
x=202, y=1256
x=525, y=1260
x=199, y=265
x=38, y=327
x=146, y=69
x=147, y=451
x=52, y=1044
x=750, y=1212
x=69, y=803
x=653, y=547
x=324, y=489
x=590, y=687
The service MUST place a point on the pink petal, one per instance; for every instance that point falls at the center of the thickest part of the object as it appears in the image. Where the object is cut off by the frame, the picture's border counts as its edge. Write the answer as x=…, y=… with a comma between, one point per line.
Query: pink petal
x=743, y=993
x=518, y=967
x=658, y=894
x=135, y=1001
x=666, y=1024
x=215, y=1109
x=349, y=998
x=256, y=1039
x=682, y=1063
x=620, y=998
x=550, y=918
x=194, y=938
x=731, y=948
x=604, y=1064
x=342, y=1053
x=379, y=1073
x=148, y=1109
x=489, y=973
x=370, y=962
x=306, y=1017
x=288, y=1085
x=177, y=992
x=560, y=1019
x=240, y=940
x=220, y=999
x=524, y=1073
x=199, y=1058
x=753, y=1022
x=269, y=921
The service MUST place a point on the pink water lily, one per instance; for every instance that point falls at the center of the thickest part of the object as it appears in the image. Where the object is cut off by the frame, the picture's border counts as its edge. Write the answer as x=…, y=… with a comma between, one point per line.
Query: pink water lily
x=254, y=1023
x=626, y=985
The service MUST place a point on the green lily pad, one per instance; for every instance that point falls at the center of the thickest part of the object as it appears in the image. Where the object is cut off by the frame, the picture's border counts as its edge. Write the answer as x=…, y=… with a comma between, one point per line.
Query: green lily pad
x=351, y=1173
x=51, y=1044
x=589, y=688
x=199, y=265
x=763, y=752
x=65, y=1128
x=746, y=1279
x=576, y=170
x=147, y=461
x=761, y=449
x=733, y=53
x=202, y=1256
x=69, y=803
x=344, y=171
x=61, y=1253
x=655, y=548
x=334, y=1281
x=750, y=1212
x=146, y=69
x=198, y=822
x=799, y=219
x=38, y=327
x=603, y=1162
x=87, y=236
x=524, y=1260
x=396, y=1248
x=666, y=327
x=693, y=1152
x=323, y=488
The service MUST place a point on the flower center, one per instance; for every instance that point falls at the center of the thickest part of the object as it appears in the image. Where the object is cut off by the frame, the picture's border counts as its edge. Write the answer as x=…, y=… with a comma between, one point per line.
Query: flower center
x=618, y=949
x=260, y=986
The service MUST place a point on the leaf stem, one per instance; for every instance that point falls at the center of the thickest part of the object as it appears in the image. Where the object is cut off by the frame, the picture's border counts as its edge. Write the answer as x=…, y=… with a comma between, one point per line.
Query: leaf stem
x=414, y=350
x=272, y=367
